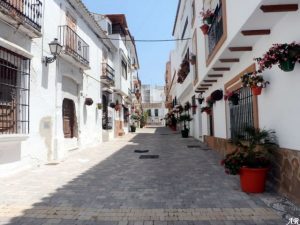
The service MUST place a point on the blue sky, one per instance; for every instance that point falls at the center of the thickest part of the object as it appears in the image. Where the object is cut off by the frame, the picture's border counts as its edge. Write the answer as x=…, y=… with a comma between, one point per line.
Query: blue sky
x=147, y=19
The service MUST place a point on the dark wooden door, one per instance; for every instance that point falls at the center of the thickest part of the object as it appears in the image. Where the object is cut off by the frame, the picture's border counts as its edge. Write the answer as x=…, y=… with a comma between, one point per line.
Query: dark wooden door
x=69, y=119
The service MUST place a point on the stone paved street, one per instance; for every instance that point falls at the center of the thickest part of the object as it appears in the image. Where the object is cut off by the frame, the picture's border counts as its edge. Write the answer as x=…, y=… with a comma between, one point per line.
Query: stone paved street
x=111, y=185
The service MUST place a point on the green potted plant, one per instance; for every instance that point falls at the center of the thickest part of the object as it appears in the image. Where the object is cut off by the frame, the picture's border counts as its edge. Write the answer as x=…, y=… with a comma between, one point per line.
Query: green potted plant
x=255, y=81
x=132, y=128
x=252, y=158
x=285, y=55
x=185, y=118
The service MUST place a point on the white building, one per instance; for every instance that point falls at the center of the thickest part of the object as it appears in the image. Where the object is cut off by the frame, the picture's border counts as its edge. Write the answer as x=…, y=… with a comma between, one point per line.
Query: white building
x=153, y=101
x=240, y=31
x=49, y=109
x=124, y=71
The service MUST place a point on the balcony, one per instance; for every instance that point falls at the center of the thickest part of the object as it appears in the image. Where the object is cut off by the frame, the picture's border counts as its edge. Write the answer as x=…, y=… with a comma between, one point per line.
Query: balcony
x=217, y=32
x=28, y=13
x=74, y=47
x=216, y=29
x=108, y=74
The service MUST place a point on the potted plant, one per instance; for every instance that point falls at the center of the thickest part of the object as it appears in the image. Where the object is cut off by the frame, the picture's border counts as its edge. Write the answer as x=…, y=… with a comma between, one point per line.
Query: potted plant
x=217, y=95
x=207, y=16
x=132, y=128
x=254, y=81
x=187, y=106
x=206, y=109
x=117, y=106
x=88, y=101
x=252, y=158
x=192, y=59
x=99, y=106
x=233, y=97
x=285, y=55
x=185, y=118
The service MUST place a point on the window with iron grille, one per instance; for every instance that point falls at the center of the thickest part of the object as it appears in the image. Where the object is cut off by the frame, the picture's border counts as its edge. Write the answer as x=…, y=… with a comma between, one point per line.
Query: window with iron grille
x=106, y=119
x=14, y=93
x=156, y=112
x=194, y=108
x=241, y=115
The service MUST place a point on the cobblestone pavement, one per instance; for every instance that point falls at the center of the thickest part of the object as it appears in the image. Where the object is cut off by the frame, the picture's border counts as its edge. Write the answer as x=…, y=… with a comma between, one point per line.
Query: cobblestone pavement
x=110, y=185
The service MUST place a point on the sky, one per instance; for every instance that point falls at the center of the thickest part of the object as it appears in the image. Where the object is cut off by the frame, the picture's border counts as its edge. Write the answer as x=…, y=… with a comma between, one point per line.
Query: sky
x=147, y=19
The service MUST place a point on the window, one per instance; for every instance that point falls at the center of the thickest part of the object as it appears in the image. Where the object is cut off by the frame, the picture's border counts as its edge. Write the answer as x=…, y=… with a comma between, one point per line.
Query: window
x=184, y=28
x=69, y=119
x=193, y=12
x=241, y=115
x=14, y=93
x=124, y=69
x=156, y=112
x=149, y=112
x=126, y=114
x=106, y=119
x=193, y=105
x=109, y=28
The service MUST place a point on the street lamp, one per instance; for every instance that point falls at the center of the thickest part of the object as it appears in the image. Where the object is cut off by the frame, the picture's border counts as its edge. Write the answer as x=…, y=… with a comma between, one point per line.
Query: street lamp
x=55, y=49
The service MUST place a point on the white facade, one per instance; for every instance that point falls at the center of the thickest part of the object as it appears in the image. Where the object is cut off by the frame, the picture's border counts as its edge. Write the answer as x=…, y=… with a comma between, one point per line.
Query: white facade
x=247, y=30
x=59, y=120
x=154, y=104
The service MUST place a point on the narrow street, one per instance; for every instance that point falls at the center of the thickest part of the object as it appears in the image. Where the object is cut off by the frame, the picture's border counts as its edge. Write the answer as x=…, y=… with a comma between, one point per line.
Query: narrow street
x=110, y=184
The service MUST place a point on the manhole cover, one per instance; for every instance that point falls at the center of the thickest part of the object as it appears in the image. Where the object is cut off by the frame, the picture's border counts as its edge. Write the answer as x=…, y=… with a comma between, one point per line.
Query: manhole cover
x=141, y=151
x=149, y=156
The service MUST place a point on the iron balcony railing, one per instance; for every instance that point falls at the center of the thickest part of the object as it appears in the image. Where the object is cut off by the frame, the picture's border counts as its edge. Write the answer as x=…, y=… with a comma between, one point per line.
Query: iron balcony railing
x=215, y=31
x=30, y=11
x=108, y=73
x=74, y=45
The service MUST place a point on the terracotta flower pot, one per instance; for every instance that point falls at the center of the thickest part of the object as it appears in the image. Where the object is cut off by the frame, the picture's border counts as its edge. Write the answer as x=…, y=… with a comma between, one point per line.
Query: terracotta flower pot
x=204, y=29
x=256, y=90
x=253, y=180
x=287, y=66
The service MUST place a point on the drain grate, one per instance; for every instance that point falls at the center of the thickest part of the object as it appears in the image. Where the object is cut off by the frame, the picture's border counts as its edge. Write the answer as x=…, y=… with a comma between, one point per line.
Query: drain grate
x=149, y=156
x=199, y=147
x=141, y=151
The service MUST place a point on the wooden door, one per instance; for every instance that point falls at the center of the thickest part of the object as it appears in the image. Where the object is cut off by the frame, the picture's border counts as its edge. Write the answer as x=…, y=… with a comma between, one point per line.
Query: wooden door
x=69, y=119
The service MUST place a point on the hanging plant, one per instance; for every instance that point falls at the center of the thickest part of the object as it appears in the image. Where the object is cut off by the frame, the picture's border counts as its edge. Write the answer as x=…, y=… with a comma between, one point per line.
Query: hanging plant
x=285, y=55
x=254, y=81
x=187, y=106
x=206, y=109
x=233, y=97
x=204, y=28
x=99, y=106
x=193, y=59
x=112, y=105
x=217, y=95
x=88, y=101
x=207, y=16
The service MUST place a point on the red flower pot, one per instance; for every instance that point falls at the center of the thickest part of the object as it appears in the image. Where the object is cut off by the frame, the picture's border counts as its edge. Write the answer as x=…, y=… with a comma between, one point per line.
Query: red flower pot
x=253, y=180
x=204, y=29
x=256, y=90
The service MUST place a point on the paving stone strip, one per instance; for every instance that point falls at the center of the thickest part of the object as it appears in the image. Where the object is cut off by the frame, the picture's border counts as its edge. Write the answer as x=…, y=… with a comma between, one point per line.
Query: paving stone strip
x=90, y=214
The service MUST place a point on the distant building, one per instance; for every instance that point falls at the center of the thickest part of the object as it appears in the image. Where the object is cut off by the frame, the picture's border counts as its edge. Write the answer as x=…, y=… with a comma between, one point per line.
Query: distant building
x=153, y=101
